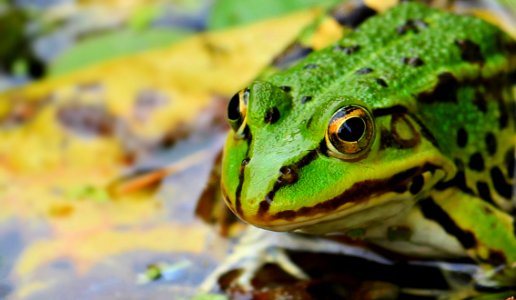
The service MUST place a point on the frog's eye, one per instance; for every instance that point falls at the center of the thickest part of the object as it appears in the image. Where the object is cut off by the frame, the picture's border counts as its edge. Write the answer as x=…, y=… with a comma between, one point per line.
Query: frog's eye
x=237, y=110
x=350, y=132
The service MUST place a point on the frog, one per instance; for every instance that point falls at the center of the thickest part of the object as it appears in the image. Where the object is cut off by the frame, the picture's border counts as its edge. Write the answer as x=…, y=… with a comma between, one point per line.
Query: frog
x=400, y=134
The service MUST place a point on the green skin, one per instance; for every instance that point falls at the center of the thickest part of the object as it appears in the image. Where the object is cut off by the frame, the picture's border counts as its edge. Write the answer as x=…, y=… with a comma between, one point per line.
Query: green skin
x=438, y=92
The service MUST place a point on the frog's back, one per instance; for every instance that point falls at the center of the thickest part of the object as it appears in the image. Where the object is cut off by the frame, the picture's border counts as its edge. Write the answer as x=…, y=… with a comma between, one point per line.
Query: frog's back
x=451, y=73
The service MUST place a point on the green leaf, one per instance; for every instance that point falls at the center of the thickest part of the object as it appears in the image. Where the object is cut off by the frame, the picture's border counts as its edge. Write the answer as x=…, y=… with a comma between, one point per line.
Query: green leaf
x=227, y=13
x=114, y=44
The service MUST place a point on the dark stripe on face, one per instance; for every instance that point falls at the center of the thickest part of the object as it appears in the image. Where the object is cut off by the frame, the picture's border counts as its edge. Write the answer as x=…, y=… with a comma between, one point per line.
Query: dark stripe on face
x=434, y=212
x=288, y=175
x=404, y=142
x=358, y=192
x=238, y=203
x=355, y=17
x=425, y=131
x=393, y=138
x=241, y=175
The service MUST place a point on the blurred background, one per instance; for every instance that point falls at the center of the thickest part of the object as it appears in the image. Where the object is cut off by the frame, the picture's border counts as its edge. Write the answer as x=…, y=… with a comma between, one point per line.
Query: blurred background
x=112, y=113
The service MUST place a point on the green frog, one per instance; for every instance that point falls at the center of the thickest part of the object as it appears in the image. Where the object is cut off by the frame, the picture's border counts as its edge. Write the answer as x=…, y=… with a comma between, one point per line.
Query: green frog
x=401, y=134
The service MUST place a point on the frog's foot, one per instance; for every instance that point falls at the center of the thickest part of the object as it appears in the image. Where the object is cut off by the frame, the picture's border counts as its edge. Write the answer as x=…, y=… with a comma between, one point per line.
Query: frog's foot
x=255, y=249
x=274, y=255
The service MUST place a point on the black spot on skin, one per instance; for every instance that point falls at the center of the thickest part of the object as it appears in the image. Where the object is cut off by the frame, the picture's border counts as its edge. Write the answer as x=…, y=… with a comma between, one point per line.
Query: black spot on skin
x=347, y=49
x=288, y=175
x=411, y=25
x=504, y=118
x=459, y=164
x=480, y=102
x=491, y=143
x=265, y=204
x=305, y=99
x=458, y=181
x=483, y=191
x=364, y=71
x=355, y=17
x=514, y=226
x=286, y=88
x=510, y=162
x=496, y=258
x=311, y=66
x=412, y=61
x=470, y=51
x=501, y=186
x=462, y=138
x=293, y=53
x=309, y=122
x=381, y=82
x=417, y=184
x=434, y=212
x=476, y=162
x=444, y=91
x=271, y=116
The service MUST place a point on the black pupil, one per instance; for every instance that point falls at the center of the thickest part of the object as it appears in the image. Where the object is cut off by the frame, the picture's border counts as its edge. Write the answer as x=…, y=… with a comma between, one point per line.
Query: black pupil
x=234, y=107
x=352, y=129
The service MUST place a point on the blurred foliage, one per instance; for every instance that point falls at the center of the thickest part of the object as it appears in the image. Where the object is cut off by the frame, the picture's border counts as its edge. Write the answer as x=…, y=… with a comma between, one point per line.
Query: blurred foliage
x=16, y=53
x=228, y=13
x=108, y=45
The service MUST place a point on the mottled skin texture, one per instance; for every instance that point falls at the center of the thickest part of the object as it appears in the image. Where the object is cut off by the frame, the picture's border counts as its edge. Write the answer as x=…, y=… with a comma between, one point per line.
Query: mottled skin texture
x=436, y=178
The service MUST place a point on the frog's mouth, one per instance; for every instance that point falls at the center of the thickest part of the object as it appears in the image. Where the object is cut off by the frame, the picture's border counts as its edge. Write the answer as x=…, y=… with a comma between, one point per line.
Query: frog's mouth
x=364, y=204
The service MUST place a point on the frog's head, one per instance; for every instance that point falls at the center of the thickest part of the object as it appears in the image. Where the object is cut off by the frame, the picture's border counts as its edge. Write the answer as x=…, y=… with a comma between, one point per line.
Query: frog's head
x=323, y=165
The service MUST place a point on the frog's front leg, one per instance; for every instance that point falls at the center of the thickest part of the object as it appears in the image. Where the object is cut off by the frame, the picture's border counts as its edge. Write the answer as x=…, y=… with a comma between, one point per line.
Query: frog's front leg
x=451, y=223
x=255, y=248
x=487, y=233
